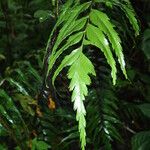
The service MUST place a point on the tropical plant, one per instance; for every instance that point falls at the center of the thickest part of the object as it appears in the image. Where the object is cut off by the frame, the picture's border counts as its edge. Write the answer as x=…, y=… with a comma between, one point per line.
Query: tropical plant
x=90, y=44
x=80, y=26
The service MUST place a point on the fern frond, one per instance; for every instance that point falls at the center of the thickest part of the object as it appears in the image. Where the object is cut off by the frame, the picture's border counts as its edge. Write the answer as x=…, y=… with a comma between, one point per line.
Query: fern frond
x=61, y=19
x=102, y=109
x=79, y=75
x=94, y=29
x=70, y=26
x=130, y=13
x=97, y=38
x=80, y=68
x=104, y=26
x=73, y=39
x=141, y=140
x=67, y=61
x=11, y=116
x=128, y=10
x=101, y=20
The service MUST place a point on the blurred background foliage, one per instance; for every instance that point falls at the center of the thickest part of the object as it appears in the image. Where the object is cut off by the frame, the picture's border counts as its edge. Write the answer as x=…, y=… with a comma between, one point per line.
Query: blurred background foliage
x=31, y=117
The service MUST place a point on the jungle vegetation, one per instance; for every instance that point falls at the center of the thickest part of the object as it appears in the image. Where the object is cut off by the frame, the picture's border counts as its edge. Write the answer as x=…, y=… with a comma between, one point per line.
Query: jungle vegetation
x=74, y=74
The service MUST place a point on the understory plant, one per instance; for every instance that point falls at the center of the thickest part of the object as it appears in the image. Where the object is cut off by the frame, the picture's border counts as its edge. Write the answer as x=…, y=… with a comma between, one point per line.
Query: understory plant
x=89, y=89
x=81, y=26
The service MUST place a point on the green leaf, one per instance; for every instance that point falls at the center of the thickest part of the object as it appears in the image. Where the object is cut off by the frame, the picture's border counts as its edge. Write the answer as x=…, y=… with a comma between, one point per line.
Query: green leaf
x=3, y=147
x=73, y=39
x=70, y=27
x=79, y=75
x=130, y=13
x=3, y=131
x=102, y=118
x=2, y=57
x=12, y=115
x=26, y=101
x=67, y=61
x=70, y=136
x=146, y=43
x=101, y=20
x=94, y=29
x=145, y=108
x=43, y=15
x=5, y=115
x=61, y=19
x=141, y=141
x=97, y=38
x=39, y=145
x=69, y=21
x=126, y=6
x=19, y=87
x=53, y=2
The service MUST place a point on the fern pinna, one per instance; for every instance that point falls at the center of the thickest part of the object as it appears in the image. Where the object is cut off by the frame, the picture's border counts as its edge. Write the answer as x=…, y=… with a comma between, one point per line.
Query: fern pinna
x=80, y=25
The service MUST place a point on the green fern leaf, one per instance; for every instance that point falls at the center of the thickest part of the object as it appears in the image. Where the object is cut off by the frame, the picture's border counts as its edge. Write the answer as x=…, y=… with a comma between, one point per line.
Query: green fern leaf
x=96, y=29
x=79, y=72
x=97, y=38
x=67, y=61
x=74, y=39
x=141, y=140
x=61, y=19
x=70, y=26
x=76, y=26
x=101, y=20
x=79, y=75
x=101, y=108
x=66, y=30
x=129, y=12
